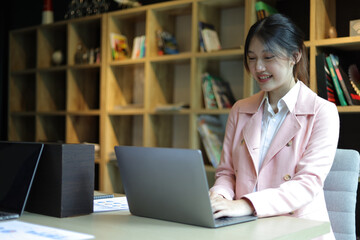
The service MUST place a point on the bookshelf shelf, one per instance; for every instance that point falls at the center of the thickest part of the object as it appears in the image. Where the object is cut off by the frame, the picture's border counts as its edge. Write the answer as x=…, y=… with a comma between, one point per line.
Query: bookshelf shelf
x=349, y=109
x=21, y=72
x=213, y=111
x=84, y=66
x=127, y=111
x=227, y=53
x=84, y=113
x=172, y=58
x=51, y=113
x=344, y=43
x=114, y=102
x=21, y=113
x=128, y=62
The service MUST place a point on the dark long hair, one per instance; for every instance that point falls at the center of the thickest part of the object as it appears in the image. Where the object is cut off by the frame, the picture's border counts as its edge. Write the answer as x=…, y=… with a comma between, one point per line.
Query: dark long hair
x=280, y=35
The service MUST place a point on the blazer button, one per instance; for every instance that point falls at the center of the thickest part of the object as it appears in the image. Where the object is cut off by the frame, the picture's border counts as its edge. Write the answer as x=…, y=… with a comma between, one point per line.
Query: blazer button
x=287, y=177
x=291, y=213
x=289, y=143
x=242, y=141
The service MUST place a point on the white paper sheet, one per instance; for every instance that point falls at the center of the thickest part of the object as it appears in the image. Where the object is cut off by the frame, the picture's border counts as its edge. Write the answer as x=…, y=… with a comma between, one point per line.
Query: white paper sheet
x=18, y=230
x=110, y=204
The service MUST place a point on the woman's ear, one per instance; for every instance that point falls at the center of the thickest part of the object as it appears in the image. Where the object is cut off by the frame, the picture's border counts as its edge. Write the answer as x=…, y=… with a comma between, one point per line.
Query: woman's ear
x=297, y=56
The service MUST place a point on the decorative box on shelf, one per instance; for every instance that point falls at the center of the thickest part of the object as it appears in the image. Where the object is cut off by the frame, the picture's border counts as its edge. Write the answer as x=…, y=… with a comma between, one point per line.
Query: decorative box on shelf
x=355, y=28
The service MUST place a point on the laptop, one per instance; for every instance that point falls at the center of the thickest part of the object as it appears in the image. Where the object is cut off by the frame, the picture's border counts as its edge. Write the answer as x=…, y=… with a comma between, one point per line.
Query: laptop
x=168, y=184
x=18, y=164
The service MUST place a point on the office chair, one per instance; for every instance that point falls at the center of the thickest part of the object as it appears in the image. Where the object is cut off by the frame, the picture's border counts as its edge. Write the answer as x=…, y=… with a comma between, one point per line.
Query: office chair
x=340, y=189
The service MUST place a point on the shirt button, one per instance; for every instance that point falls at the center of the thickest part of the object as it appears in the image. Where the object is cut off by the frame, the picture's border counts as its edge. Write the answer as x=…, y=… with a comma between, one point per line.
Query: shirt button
x=287, y=177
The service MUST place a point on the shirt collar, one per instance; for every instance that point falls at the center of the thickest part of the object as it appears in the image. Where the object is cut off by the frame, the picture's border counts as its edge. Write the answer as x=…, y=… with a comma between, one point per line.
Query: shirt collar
x=289, y=100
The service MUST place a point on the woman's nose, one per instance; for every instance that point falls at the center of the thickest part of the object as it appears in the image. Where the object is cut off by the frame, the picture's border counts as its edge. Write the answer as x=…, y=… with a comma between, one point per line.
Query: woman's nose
x=260, y=66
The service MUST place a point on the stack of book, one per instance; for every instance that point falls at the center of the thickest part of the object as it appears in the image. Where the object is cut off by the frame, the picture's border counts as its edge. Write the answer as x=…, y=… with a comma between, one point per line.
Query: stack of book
x=217, y=92
x=334, y=84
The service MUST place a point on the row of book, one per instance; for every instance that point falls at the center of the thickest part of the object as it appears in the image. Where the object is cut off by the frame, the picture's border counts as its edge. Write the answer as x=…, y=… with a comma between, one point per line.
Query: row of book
x=217, y=92
x=166, y=43
x=334, y=83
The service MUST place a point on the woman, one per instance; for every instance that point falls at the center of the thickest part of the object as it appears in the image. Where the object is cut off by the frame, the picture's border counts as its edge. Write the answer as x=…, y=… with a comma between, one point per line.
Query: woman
x=280, y=143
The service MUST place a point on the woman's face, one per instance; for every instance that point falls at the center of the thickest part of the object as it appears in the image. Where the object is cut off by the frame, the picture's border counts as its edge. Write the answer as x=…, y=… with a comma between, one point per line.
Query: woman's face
x=273, y=73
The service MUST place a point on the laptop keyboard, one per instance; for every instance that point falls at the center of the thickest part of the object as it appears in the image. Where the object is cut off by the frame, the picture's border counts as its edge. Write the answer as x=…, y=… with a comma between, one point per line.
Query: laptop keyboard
x=225, y=221
x=8, y=216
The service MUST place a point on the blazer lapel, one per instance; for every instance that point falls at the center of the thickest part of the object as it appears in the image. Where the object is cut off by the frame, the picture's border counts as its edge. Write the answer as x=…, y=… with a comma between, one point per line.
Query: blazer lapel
x=287, y=131
x=252, y=134
x=252, y=129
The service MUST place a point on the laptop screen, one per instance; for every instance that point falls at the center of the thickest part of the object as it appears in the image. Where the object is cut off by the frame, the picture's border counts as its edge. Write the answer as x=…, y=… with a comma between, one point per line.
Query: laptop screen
x=18, y=163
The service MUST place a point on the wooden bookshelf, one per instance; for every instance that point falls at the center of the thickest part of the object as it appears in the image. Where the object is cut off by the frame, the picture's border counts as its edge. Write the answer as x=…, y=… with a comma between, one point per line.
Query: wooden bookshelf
x=114, y=102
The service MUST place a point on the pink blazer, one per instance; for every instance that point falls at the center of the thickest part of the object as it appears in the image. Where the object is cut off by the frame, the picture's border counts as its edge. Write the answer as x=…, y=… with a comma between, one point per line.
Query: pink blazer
x=290, y=180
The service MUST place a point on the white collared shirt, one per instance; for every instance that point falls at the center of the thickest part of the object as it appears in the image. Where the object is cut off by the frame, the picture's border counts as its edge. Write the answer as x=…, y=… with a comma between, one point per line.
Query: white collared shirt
x=271, y=121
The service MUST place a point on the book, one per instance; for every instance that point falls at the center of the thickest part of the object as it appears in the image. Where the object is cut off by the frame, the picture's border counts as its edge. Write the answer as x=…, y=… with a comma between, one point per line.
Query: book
x=208, y=92
x=335, y=62
x=222, y=91
x=202, y=26
x=139, y=47
x=100, y=195
x=136, y=48
x=142, y=46
x=321, y=78
x=211, y=40
x=119, y=46
x=336, y=82
x=331, y=93
x=264, y=10
x=211, y=131
x=208, y=37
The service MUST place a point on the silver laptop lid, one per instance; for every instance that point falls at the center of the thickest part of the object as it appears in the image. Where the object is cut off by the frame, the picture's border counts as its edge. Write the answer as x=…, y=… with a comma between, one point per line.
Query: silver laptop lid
x=165, y=183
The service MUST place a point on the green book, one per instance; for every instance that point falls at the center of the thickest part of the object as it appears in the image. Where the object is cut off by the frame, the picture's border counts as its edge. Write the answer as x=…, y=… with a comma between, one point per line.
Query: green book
x=264, y=10
x=338, y=89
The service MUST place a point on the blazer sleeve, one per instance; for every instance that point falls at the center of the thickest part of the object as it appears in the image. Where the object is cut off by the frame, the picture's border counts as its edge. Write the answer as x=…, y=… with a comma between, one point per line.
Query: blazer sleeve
x=311, y=169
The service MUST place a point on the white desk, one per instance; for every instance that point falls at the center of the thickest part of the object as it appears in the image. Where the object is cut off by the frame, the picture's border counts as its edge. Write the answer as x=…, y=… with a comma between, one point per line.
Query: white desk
x=122, y=225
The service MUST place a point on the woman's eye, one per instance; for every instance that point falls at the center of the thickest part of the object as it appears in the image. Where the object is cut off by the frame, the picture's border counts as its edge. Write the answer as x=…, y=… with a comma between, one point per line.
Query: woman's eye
x=251, y=58
x=269, y=57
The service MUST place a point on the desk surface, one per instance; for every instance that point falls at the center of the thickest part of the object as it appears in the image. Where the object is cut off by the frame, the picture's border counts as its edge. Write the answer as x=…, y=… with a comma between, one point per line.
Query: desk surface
x=107, y=225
